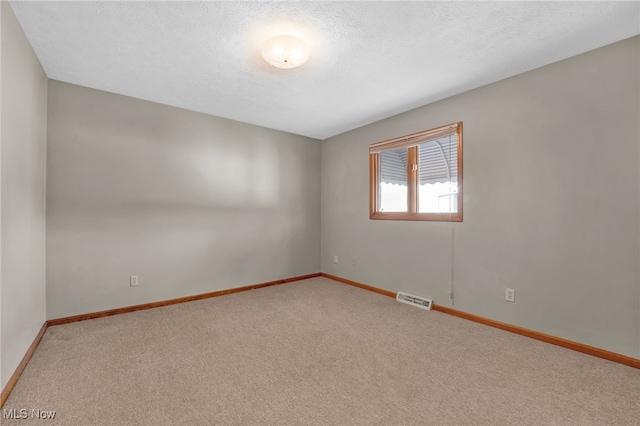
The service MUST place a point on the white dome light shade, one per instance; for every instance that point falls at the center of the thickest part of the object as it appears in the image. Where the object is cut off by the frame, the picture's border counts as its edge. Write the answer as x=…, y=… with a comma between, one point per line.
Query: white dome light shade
x=285, y=51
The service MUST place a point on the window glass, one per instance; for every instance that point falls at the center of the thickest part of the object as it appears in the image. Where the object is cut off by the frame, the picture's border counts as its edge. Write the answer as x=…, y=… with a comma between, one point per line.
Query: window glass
x=393, y=180
x=438, y=176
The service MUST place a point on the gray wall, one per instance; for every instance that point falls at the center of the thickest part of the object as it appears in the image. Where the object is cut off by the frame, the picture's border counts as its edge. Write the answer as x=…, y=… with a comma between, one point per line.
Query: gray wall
x=191, y=203
x=23, y=146
x=551, y=203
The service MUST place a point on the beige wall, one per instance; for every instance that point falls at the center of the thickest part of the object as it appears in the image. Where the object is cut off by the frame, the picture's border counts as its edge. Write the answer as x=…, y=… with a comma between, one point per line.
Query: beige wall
x=191, y=203
x=23, y=146
x=551, y=203
x=2, y=379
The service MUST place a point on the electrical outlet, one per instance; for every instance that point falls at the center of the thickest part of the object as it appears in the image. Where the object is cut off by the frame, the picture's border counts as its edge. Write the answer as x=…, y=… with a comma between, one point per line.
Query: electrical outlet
x=335, y=259
x=354, y=261
x=510, y=295
x=133, y=280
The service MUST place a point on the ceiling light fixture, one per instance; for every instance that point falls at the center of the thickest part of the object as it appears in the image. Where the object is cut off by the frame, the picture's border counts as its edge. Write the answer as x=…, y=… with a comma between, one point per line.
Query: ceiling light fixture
x=285, y=51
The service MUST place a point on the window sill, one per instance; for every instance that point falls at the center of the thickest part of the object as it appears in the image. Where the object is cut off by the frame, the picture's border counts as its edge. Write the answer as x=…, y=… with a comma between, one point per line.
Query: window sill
x=431, y=217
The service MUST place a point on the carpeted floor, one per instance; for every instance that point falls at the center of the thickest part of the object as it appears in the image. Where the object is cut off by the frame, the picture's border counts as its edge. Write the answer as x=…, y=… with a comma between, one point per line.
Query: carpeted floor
x=314, y=352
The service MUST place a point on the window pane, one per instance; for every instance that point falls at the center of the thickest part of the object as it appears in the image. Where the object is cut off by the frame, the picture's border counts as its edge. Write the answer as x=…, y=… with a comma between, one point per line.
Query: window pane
x=393, y=180
x=438, y=176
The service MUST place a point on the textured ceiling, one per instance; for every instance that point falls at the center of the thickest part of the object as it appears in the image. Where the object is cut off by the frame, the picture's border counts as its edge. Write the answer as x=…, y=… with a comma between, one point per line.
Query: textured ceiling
x=369, y=60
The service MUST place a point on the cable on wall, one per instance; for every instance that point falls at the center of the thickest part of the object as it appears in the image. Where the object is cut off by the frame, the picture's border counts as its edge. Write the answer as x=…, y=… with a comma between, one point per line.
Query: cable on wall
x=451, y=230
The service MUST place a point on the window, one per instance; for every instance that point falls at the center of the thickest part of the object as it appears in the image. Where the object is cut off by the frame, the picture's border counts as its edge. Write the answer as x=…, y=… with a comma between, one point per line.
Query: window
x=418, y=176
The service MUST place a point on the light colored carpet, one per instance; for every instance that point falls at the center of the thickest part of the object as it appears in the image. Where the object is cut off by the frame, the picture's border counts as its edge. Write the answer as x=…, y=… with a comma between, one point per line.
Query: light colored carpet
x=314, y=352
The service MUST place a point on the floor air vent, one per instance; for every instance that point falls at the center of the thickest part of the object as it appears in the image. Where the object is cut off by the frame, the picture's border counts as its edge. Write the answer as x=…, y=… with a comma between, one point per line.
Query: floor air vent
x=417, y=301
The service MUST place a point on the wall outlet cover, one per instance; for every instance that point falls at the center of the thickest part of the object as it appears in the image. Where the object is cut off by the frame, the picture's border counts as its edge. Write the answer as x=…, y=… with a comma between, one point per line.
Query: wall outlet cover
x=510, y=295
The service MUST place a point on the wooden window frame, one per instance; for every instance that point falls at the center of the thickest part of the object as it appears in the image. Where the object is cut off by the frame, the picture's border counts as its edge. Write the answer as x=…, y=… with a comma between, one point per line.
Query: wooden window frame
x=411, y=142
